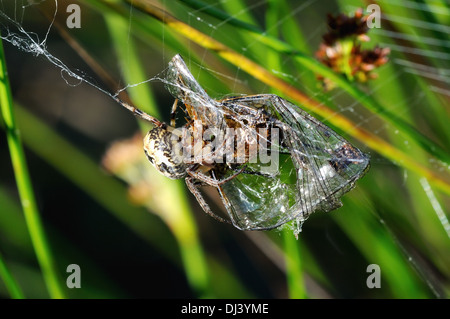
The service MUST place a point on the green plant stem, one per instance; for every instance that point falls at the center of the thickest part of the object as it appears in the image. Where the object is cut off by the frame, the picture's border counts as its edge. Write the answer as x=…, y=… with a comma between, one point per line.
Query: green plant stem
x=294, y=273
x=11, y=285
x=25, y=187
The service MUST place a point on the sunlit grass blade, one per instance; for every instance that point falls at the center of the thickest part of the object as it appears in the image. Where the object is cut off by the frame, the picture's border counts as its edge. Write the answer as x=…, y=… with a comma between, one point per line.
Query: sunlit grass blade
x=440, y=10
x=11, y=284
x=34, y=223
x=294, y=267
x=443, y=219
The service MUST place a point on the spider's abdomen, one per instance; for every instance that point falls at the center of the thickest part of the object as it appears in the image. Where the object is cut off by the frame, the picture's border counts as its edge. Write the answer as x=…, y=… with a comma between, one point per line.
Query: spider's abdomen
x=163, y=150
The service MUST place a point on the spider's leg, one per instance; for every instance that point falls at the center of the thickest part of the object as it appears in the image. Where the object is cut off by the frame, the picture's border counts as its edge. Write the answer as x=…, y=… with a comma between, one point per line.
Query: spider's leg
x=249, y=172
x=173, y=113
x=195, y=191
x=137, y=112
x=212, y=181
x=229, y=178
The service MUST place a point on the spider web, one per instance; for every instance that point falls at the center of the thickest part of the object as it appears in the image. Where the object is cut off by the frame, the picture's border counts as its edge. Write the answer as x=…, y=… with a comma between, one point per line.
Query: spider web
x=15, y=16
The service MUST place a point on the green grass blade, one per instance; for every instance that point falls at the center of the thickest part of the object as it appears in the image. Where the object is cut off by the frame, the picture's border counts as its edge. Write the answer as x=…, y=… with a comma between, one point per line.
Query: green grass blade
x=34, y=223
x=13, y=228
x=379, y=247
x=222, y=15
x=294, y=267
x=12, y=223
x=442, y=217
x=434, y=118
x=129, y=62
x=11, y=285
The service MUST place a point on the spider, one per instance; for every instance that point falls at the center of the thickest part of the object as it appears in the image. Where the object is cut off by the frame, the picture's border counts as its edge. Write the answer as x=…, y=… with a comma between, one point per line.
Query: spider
x=317, y=165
